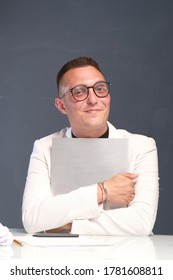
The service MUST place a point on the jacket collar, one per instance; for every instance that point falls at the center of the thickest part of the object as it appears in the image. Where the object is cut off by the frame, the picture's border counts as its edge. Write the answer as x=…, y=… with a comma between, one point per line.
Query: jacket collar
x=113, y=132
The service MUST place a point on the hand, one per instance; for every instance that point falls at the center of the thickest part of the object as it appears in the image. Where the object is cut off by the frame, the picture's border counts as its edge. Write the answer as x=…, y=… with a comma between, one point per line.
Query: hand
x=120, y=188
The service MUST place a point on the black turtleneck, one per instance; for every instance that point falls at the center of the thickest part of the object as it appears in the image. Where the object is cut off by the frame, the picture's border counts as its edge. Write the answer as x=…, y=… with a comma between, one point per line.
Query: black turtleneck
x=104, y=135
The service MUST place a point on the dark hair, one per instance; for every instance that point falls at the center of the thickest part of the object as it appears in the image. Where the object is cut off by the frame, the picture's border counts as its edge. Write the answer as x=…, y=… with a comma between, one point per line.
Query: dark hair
x=76, y=63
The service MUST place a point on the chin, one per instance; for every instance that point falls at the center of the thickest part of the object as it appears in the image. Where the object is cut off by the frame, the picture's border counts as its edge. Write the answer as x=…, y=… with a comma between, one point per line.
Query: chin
x=94, y=124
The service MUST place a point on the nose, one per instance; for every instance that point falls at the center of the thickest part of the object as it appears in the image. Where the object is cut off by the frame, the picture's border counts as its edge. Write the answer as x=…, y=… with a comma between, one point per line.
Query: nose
x=92, y=98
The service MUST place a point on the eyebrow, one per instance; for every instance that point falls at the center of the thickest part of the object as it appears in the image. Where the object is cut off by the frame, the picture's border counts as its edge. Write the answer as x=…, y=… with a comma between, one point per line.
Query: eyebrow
x=88, y=86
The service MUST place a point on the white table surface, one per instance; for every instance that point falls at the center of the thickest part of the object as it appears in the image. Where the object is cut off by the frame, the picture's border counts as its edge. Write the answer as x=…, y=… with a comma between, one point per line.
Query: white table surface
x=156, y=247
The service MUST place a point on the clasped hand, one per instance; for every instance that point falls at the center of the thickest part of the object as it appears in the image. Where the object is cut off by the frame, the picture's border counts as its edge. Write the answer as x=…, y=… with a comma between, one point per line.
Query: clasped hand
x=120, y=188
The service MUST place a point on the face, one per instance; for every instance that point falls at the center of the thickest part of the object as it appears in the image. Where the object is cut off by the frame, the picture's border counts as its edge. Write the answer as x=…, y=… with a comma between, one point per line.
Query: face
x=88, y=118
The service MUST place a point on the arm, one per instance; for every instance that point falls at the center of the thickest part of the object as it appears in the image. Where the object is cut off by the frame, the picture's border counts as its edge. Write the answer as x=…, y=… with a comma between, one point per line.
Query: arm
x=139, y=217
x=41, y=210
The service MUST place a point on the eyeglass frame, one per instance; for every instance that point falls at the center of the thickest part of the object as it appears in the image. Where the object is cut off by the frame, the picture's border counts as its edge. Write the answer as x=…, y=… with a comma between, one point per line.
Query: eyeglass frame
x=71, y=90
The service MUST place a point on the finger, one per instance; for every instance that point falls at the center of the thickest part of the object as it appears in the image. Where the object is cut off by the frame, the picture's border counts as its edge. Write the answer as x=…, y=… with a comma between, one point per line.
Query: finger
x=131, y=176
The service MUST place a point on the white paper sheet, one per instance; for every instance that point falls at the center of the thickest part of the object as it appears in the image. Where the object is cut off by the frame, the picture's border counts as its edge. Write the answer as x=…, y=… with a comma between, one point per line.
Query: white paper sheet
x=59, y=241
x=85, y=161
x=78, y=162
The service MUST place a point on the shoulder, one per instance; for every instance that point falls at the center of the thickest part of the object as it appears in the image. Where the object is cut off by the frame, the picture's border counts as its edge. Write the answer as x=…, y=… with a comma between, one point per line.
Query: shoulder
x=46, y=142
x=137, y=140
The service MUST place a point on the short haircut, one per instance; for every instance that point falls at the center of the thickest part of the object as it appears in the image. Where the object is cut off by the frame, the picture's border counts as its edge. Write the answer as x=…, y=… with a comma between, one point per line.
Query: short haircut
x=76, y=63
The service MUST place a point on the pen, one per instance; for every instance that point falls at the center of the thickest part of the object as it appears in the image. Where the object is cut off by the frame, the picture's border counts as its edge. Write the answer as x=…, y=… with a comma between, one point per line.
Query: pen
x=17, y=242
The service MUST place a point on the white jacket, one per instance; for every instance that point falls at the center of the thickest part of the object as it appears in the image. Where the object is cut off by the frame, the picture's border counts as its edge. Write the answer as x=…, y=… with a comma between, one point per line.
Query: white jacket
x=42, y=211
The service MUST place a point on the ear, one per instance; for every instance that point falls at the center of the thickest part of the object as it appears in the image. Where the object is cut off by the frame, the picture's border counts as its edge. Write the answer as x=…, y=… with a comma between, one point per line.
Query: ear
x=59, y=104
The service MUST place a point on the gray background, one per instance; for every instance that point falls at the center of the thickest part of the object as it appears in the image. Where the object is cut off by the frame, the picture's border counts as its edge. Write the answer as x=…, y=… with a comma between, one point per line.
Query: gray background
x=133, y=42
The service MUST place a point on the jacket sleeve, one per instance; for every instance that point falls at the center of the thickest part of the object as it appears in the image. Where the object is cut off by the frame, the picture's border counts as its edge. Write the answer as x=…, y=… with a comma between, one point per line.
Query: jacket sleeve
x=139, y=217
x=40, y=209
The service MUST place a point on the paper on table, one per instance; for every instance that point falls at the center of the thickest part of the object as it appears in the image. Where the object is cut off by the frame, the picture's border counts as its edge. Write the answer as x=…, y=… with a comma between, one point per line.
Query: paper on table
x=59, y=241
x=6, y=237
x=85, y=161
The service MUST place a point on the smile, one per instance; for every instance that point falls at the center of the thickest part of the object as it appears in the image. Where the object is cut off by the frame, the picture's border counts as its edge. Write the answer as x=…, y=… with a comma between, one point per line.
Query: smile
x=92, y=111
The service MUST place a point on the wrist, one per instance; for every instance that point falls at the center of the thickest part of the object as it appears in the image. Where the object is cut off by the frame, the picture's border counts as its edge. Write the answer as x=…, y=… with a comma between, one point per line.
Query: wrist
x=105, y=192
x=102, y=195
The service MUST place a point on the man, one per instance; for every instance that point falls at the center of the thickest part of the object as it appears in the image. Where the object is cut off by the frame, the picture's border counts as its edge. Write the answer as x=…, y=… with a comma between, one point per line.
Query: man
x=84, y=96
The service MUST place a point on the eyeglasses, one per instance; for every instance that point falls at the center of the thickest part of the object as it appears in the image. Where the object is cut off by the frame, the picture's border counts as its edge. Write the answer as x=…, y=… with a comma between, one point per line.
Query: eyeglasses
x=81, y=92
